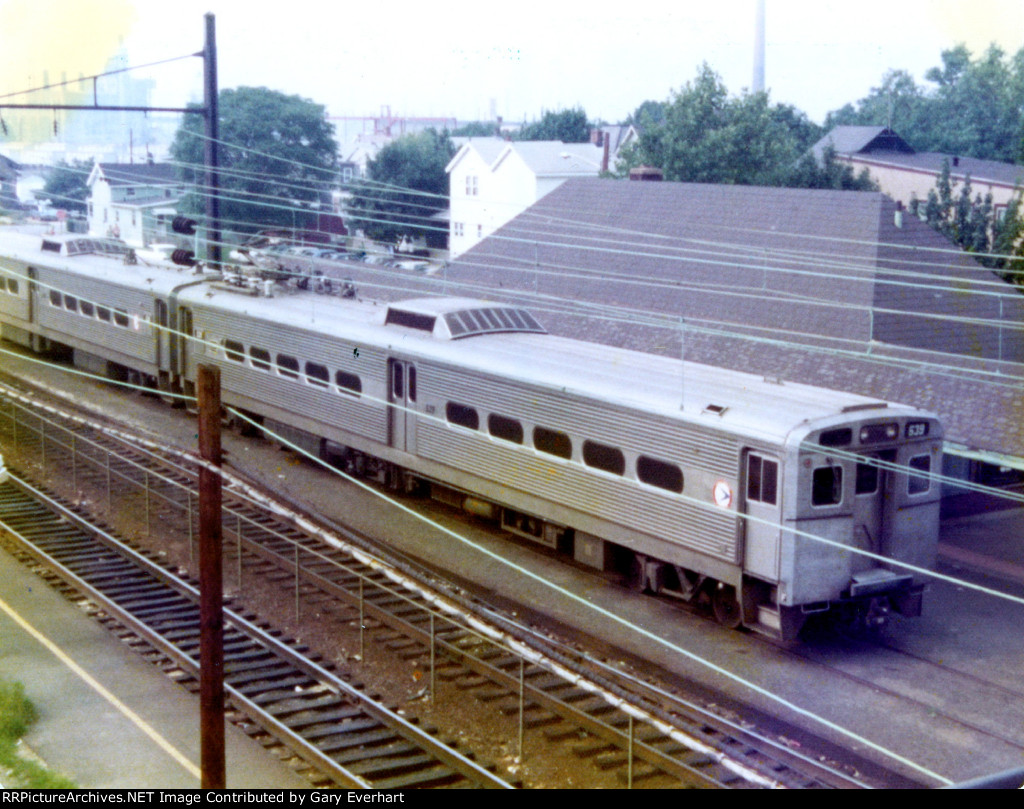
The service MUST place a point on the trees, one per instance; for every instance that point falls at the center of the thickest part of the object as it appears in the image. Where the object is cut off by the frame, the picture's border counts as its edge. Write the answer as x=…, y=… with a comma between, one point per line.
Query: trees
x=568, y=126
x=829, y=172
x=975, y=225
x=407, y=184
x=278, y=158
x=974, y=108
x=66, y=187
x=702, y=134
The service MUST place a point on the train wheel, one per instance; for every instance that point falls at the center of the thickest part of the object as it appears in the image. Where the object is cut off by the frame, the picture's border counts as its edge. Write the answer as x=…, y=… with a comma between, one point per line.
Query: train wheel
x=725, y=605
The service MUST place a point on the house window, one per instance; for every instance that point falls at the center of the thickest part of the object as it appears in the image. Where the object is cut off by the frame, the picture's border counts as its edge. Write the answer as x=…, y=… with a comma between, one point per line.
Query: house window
x=471, y=185
x=458, y=228
x=479, y=231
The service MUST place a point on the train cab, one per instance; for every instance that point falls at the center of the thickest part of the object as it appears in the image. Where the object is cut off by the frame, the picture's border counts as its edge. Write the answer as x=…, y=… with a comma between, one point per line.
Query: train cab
x=859, y=493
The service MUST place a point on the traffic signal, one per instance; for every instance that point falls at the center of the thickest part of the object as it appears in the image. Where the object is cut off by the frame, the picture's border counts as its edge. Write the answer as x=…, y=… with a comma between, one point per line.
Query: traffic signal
x=182, y=224
x=186, y=258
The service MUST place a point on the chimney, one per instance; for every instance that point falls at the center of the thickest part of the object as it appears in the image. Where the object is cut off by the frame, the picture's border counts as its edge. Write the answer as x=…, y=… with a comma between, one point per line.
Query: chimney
x=645, y=174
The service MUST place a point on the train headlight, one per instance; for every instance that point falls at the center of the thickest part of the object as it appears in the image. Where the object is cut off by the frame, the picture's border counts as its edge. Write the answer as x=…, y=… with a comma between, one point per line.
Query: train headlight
x=873, y=433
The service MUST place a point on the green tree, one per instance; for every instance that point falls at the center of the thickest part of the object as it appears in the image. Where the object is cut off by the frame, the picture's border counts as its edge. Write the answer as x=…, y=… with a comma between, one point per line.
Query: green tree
x=974, y=108
x=406, y=185
x=477, y=129
x=708, y=136
x=975, y=225
x=829, y=172
x=278, y=159
x=568, y=126
x=66, y=187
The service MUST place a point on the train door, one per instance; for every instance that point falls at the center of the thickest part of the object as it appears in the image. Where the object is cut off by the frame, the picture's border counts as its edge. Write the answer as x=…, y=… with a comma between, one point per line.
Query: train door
x=402, y=401
x=763, y=504
x=872, y=494
x=161, y=336
x=183, y=338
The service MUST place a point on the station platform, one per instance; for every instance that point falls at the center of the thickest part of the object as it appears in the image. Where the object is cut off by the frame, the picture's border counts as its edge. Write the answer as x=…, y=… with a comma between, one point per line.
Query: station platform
x=988, y=543
x=107, y=718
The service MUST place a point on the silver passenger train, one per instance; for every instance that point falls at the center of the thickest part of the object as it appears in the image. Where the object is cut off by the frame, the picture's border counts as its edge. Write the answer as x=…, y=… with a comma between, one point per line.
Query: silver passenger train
x=756, y=496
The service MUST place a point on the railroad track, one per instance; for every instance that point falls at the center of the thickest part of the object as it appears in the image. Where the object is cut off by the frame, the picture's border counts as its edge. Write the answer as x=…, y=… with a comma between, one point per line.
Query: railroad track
x=646, y=737
x=323, y=718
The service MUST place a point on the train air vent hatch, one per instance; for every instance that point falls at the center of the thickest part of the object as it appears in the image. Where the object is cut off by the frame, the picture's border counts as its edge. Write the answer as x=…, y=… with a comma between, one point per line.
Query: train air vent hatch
x=717, y=410
x=412, y=320
x=490, y=320
x=868, y=406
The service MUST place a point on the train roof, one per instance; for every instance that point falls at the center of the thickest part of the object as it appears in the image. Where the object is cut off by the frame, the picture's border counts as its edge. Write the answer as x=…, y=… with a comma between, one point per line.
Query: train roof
x=715, y=397
x=102, y=259
x=494, y=338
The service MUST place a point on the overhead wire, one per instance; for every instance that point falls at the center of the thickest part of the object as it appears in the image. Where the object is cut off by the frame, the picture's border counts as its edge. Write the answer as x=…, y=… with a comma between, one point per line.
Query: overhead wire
x=581, y=601
x=958, y=370
x=219, y=348
x=726, y=251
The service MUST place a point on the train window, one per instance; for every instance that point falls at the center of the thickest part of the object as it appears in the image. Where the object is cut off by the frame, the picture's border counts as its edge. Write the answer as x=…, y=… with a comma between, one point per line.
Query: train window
x=462, y=415
x=234, y=350
x=827, y=486
x=836, y=438
x=287, y=366
x=103, y=313
x=86, y=308
x=505, y=428
x=412, y=383
x=397, y=384
x=12, y=286
x=348, y=383
x=71, y=303
x=121, y=318
x=659, y=473
x=552, y=442
x=317, y=374
x=260, y=358
x=603, y=457
x=762, y=479
x=55, y=298
x=867, y=479
x=919, y=483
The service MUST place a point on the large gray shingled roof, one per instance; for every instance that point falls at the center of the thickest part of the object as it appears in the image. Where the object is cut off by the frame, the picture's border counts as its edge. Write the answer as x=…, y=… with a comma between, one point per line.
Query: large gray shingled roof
x=879, y=302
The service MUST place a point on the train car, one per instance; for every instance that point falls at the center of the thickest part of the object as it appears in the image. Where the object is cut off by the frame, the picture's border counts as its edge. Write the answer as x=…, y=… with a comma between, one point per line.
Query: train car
x=87, y=297
x=769, y=499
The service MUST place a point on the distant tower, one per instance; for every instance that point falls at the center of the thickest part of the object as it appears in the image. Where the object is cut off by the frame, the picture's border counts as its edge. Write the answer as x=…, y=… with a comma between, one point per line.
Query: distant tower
x=758, y=85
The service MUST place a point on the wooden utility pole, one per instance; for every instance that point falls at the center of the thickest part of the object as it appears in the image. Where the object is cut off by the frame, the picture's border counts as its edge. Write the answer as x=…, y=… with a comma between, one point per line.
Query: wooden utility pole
x=211, y=606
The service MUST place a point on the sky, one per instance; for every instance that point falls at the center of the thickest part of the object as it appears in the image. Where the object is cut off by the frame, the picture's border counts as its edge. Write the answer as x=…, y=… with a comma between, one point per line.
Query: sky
x=472, y=60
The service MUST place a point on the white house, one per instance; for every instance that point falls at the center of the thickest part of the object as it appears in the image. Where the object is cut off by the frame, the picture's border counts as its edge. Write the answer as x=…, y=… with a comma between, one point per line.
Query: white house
x=133, y=201
x=493, y=180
